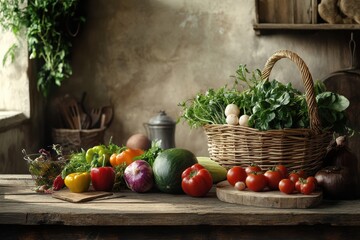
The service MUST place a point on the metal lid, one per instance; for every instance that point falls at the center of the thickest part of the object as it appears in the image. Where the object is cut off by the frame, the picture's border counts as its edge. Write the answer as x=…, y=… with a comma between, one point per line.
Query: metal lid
x=161, y=119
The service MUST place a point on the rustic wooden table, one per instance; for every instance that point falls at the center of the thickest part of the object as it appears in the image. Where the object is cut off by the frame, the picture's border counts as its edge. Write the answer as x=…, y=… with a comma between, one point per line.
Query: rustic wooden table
x=25, y=214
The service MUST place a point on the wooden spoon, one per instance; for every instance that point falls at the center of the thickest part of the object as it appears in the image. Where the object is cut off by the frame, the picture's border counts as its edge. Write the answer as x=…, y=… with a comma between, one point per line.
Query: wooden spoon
x=75, y=115
x=66, y=115
x=109, y=113
x=71, y=112
x=95, y=115
x=85, y=120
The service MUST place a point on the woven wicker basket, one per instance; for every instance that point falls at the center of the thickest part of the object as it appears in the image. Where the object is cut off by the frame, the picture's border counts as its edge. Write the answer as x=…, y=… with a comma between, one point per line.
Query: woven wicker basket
x=295, y=148
x=74, y=139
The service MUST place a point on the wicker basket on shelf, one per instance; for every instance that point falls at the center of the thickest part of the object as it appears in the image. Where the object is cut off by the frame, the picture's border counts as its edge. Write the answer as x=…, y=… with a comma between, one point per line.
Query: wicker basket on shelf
x=295, y=148
x=75, y=139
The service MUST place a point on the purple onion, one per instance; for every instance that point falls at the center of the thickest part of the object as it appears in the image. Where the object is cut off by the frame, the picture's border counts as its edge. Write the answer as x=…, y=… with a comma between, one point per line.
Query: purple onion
x=139, y=176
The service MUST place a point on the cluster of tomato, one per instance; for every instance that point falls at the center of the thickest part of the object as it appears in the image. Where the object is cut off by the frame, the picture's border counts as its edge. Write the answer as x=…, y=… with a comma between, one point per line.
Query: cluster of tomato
x=275, y=178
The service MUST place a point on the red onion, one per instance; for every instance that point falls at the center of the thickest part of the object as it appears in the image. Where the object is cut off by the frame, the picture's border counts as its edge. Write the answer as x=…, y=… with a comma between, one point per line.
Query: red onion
x=337, y=182
x=340, y=177
x=139, y=176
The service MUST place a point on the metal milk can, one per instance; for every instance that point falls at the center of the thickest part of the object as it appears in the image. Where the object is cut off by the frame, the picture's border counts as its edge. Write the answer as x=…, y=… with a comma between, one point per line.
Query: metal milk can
x=162, y=127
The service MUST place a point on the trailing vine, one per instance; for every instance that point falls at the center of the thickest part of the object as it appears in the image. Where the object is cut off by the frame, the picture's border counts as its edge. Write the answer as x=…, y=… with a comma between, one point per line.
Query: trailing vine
x=49, y=27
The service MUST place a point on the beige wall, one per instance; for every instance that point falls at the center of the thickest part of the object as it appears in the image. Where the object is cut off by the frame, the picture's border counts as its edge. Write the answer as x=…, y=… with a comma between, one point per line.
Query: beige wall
x=143, y=56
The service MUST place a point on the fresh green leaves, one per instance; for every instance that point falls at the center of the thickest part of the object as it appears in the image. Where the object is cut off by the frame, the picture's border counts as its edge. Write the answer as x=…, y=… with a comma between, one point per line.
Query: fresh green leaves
x=48, y=40
x=270, y=104
x=275, y=106
x=77, y=163
x=10, y=53
x=150, y=154
x=331, y=107
x=209, y=107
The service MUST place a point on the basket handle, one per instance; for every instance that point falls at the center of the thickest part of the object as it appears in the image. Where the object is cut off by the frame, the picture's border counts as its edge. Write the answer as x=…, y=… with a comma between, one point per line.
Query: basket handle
x=315, y=123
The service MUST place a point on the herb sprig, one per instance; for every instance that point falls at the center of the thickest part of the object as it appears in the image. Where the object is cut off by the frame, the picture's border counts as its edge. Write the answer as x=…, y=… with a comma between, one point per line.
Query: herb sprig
x=270, y=104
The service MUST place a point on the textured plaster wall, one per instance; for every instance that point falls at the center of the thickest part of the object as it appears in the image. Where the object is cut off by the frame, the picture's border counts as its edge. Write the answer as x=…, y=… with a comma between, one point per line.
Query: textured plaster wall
x=149, y=55
x=143, y=56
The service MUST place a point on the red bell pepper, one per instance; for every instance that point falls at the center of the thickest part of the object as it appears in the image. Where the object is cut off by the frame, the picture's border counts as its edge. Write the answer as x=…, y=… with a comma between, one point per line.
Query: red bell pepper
x=102, y=178
x=196, y=181
x=58, y=183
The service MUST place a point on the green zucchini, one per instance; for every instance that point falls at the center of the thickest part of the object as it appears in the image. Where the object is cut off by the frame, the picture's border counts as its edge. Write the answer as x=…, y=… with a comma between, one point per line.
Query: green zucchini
x=217, y=171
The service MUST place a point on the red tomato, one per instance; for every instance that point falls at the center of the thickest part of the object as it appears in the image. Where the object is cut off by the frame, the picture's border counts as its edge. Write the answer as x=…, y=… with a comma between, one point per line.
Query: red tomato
x=236, y=174
x=307, y=187
x=196, y=181
x=312, y=179
x=273, y=178
x=294, y=176
x=283, y=170
x=252, y=168
x=286, y=186
x=297, y=185
x=256, y=181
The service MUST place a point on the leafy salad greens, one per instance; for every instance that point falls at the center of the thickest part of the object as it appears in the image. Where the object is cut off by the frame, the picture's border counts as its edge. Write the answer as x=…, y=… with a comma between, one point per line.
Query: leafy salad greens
x=269, y=103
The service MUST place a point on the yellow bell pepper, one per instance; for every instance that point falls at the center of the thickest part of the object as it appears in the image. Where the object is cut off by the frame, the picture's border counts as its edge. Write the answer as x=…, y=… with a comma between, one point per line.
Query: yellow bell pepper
x=78, y=182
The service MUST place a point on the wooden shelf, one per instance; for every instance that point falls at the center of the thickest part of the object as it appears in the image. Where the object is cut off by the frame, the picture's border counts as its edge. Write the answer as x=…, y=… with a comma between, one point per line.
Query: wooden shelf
x=266, y=27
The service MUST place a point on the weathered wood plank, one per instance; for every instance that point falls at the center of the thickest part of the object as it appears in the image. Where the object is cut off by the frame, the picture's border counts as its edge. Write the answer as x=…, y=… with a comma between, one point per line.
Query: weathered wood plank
x=20, y=205
x=58, y=232
x=227, y=193
x=285, y=11
x=322, y=26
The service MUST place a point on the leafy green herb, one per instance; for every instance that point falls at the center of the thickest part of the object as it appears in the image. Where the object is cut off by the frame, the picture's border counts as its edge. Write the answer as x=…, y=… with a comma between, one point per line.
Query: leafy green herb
x=77, y=163
x=150, y=154
x=331, y=107
x=209, y=107
x=274, y=105
x=270, y=104
x=46, y=23
x=119, y=183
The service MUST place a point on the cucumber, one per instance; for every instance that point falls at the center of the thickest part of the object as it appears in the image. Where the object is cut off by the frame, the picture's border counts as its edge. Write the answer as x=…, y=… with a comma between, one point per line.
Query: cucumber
x=217, y=171
x=168, y=167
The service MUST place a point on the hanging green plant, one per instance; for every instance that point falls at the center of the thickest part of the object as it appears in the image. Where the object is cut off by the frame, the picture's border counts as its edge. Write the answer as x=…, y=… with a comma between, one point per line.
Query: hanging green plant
x=49, y=27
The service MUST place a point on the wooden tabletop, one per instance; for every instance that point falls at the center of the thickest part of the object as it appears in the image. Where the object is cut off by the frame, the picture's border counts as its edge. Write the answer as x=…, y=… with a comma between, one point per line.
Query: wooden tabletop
x=19, y=204
x=25, y=214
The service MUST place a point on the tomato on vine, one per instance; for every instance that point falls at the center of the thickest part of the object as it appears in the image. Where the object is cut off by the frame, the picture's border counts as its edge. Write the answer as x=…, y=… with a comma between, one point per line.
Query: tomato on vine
x=296, y=174
x=307, y=187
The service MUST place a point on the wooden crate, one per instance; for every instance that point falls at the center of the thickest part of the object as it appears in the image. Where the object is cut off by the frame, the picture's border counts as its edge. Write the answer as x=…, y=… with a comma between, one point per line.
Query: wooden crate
x=286, y=11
